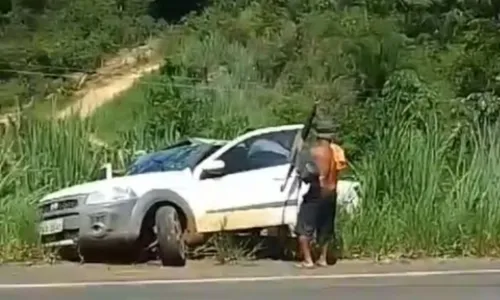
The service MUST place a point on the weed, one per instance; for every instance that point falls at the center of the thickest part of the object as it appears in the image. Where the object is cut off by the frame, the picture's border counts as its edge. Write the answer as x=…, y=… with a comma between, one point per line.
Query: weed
x=226, y=248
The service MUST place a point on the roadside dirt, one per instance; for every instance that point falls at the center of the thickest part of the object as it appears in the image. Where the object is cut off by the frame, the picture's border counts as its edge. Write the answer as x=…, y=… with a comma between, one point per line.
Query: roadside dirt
x=115, y=76
x=105, y=90
x=69, y=272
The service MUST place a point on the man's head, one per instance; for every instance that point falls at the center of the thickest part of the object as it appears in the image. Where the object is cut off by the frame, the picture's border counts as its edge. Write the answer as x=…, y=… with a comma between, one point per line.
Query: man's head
x=324, y=131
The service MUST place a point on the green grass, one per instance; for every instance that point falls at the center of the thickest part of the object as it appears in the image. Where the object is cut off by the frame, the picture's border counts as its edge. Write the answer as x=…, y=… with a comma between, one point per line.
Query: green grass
x=418, y=200
x=427, y=190
x=421, y=201
x=123, y=113
x=39, y=157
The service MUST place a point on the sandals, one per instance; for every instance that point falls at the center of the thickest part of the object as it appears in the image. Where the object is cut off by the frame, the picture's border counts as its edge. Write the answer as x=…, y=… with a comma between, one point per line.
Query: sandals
x=322, y=264
x=304, y=265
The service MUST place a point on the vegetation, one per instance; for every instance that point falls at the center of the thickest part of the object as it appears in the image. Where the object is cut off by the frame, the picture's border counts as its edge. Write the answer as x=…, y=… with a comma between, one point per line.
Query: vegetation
x=413, y=85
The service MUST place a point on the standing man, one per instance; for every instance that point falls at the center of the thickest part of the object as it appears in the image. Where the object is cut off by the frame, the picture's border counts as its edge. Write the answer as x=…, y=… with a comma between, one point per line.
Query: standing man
x=319, y=166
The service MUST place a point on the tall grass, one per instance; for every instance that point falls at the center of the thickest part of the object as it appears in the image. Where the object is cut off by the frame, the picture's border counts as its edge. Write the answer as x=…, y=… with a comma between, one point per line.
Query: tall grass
x=425, y=192
x=36, y=158
x=16, y=207
x=424, y=196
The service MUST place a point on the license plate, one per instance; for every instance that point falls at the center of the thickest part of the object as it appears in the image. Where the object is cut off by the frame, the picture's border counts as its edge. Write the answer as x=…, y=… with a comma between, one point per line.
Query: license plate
x=51, y=226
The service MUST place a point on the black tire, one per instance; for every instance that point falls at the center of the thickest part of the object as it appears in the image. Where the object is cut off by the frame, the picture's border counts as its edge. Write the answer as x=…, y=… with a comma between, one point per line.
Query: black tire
x=69, y=254
x=171, y=245
x=279, y=244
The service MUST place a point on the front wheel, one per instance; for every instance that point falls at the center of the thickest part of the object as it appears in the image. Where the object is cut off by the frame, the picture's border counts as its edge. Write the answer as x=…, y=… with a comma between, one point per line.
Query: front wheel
x=171, y=246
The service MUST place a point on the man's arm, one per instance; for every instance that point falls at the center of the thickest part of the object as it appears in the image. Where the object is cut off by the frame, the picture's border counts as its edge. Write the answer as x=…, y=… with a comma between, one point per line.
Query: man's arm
x=339, y=157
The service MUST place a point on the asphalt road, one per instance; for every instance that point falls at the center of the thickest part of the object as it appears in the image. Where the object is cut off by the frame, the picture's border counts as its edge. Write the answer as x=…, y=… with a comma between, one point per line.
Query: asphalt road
x=401, y=282
x=455, y=287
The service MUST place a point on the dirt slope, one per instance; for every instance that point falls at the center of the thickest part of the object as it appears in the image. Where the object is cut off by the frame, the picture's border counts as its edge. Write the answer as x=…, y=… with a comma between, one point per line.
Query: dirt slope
x=115, y=76
x=101, y=92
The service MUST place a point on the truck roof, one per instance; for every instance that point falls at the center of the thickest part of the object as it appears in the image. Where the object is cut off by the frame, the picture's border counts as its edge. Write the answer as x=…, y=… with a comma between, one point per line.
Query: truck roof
x=208, y=141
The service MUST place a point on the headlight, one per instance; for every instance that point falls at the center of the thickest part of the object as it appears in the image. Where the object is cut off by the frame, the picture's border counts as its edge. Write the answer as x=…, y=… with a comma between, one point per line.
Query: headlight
x=112, y=195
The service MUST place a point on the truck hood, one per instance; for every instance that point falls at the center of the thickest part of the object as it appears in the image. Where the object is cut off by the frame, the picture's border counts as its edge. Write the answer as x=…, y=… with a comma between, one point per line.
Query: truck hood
x=140, y=184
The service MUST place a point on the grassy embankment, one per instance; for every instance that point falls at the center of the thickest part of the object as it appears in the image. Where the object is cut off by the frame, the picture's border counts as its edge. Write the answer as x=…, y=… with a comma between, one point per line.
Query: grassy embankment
x=429, y=189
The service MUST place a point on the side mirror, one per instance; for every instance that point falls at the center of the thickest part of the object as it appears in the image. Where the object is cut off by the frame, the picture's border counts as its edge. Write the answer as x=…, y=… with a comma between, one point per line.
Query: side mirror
x=106, y=172
x=214, y=168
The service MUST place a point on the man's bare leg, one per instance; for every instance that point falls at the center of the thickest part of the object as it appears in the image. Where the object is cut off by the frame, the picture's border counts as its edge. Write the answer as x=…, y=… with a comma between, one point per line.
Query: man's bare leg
x=323, y=256
x=326, y=229
x=305, y=248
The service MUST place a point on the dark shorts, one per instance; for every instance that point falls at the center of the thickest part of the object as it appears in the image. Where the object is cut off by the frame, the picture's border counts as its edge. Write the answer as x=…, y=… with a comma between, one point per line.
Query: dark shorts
x=317, y=215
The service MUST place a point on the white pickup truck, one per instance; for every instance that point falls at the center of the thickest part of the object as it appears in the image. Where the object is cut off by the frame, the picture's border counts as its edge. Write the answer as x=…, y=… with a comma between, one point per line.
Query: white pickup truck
x=177, y=196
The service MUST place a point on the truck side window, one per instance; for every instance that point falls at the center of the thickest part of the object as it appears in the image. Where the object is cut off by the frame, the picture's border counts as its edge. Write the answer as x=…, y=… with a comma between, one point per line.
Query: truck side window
x=262, y=151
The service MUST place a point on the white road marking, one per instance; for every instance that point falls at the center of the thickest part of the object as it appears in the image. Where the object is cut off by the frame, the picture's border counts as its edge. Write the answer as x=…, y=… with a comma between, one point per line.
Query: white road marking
x=243, y=279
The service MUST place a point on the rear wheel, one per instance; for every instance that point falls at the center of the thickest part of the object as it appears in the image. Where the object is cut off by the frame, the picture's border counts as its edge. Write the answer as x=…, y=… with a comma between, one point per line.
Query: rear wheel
x=171, y=245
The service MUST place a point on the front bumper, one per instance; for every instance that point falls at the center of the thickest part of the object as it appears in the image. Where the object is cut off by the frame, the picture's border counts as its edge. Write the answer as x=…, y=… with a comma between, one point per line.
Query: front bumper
x=83, y=225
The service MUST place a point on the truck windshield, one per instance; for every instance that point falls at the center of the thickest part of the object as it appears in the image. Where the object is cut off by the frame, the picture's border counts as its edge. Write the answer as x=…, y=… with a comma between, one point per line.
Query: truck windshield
x=173, y=159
